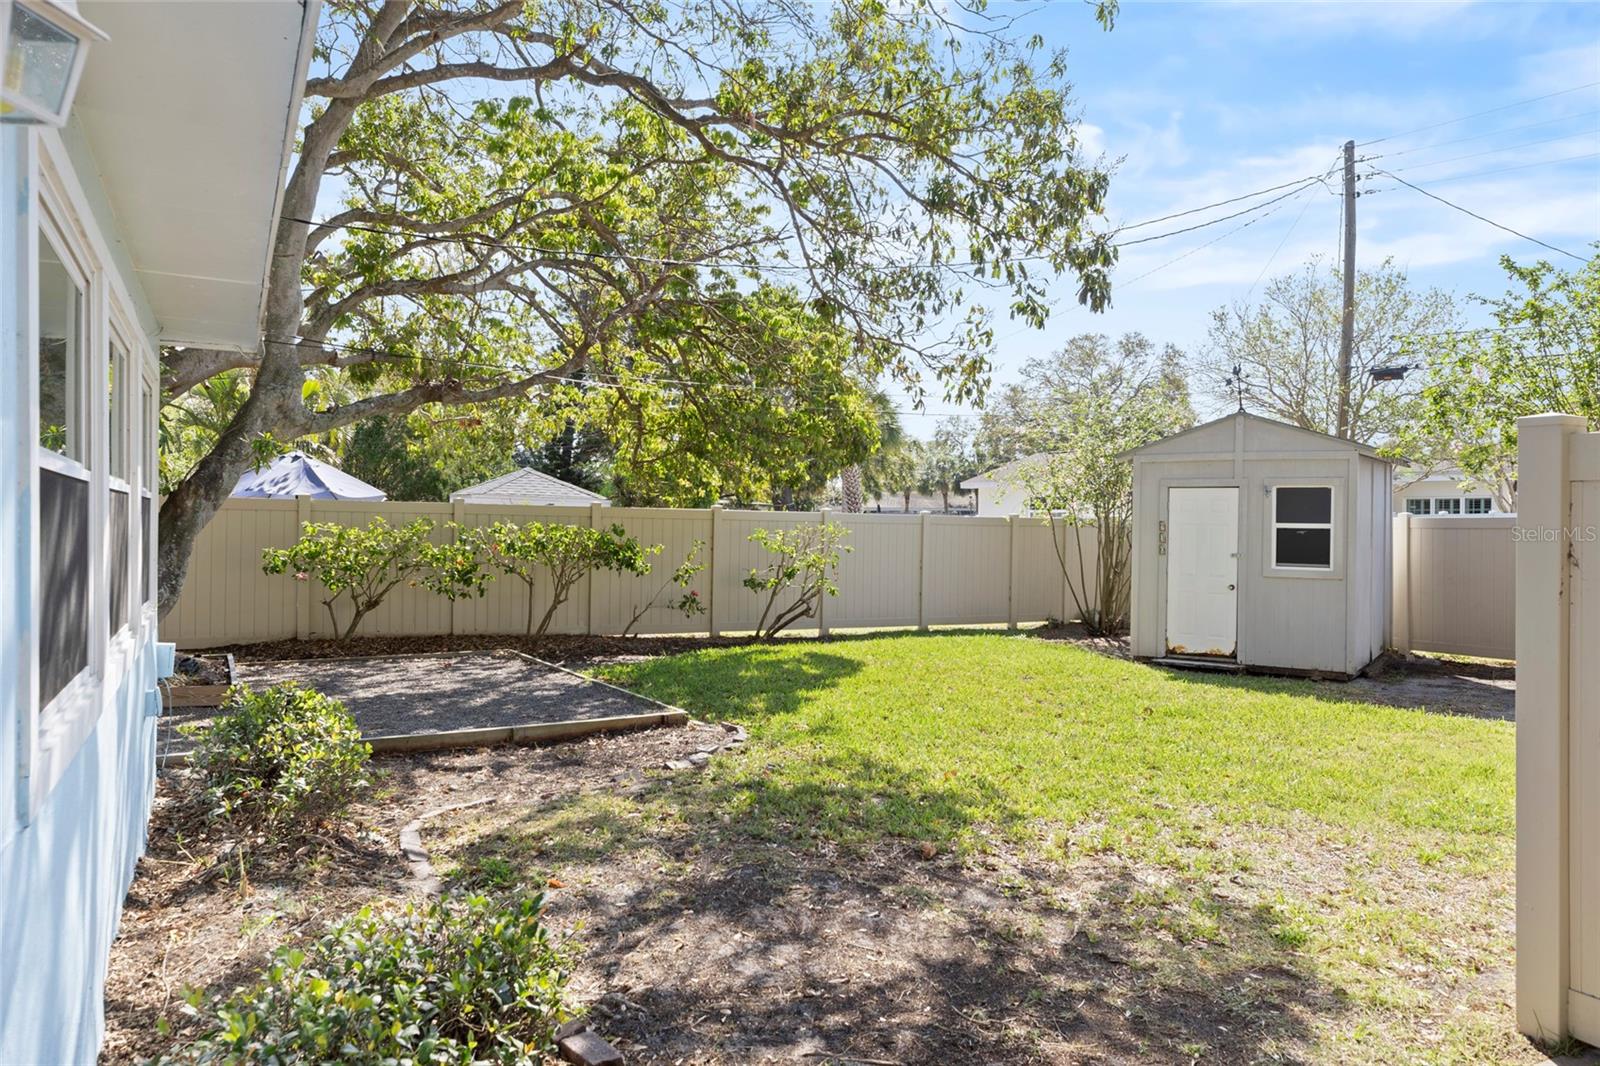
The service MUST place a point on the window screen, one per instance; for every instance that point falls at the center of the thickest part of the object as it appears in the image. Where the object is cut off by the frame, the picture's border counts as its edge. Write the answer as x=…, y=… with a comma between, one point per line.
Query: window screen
x=1302, y=526
x=145, y=528
x=117, y=414
x=63, y=581
x=119, y=560
x=61, y=427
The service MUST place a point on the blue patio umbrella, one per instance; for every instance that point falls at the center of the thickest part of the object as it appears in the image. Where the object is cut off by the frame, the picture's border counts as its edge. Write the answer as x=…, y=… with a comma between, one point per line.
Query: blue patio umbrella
x=297, y=474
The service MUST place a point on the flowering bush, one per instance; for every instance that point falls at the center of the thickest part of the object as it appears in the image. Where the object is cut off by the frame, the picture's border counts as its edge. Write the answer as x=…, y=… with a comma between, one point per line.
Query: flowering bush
x=565, y=553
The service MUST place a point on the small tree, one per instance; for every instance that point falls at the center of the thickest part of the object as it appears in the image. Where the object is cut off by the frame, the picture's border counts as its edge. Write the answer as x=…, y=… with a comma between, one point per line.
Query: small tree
x=567, y=553
x=806, y=560
x=364, y=564
x=687, y=603
x=1087, y=404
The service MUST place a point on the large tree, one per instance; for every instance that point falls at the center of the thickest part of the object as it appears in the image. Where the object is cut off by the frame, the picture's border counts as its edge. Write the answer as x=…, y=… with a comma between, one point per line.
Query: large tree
x=1287, y=349
x=491, y=195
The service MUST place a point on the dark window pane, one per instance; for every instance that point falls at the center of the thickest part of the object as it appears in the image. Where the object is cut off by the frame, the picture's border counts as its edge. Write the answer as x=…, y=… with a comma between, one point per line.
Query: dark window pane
x=147, y=535
x=1305, y=547
x=63, y=581
x=119, y=560
x=1305, y=505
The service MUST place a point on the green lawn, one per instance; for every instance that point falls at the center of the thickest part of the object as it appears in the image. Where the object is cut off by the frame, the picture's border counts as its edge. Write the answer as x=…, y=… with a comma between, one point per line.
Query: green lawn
x=931, y=736
x=1369, y=846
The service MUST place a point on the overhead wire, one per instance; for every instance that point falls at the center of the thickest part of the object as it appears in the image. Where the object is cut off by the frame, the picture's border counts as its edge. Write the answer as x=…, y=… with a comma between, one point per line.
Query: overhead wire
x=1480, y=114
x=1481, y=218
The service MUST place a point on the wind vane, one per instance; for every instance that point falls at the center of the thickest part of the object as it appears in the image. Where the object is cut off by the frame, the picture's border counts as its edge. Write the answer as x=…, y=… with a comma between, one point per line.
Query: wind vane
x=1235, y=381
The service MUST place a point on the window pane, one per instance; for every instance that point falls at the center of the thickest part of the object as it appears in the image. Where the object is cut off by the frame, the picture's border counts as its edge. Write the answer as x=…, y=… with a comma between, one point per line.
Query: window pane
x=1419, y=507
x=117, y=413
x=1305, y=505
x=63, y=581
x=144, y=550
x=1446, y=506
x=60, y=357
x=119, y=559
x=1479, y=505
x=1305, y=547
x=38, y=59
x=147, y=436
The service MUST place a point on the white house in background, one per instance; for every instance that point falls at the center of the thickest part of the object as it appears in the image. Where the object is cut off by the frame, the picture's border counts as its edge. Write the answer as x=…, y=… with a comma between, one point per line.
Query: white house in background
x=527, y=487
x=297, y=474
x=142, y=159
x=1441, y=493
x=1002, y=491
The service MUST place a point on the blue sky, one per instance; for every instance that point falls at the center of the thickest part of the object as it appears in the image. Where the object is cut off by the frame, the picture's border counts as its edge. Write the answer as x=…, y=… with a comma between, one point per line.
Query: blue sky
x=1203, y=101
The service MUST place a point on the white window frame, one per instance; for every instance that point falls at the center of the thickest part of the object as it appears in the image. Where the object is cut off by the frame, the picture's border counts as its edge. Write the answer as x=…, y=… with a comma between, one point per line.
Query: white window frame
x=1449, y=506
x=52, y=736
x=1419, y=506
x=1334, y=569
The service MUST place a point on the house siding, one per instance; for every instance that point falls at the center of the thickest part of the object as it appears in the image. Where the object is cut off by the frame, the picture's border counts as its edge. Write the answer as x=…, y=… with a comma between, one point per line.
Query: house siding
x=66, y=859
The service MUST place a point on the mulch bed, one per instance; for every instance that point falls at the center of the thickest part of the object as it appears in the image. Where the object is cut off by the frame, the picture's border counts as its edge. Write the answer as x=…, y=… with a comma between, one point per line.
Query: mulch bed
x=440, y=693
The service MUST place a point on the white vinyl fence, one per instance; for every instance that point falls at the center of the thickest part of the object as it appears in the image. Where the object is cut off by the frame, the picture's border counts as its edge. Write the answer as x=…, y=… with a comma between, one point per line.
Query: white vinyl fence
x=902, y=570
x=1455, y=585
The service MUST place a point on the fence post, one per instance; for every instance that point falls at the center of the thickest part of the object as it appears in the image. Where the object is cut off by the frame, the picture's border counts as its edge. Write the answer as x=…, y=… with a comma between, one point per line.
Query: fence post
x=922, y=570
x=1400, y=618
x=1011, y=572
x=1543, y=836
x=822, y=601
x=595, y=522
x=302, y=589
x=713, y=623
x=459, y=605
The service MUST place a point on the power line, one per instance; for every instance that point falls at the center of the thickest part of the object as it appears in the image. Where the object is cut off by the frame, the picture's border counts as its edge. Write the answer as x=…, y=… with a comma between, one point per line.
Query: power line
x=1492, y=151
x=1221, y=203
x=1214, y=240
x=1480, y=114
x=1481, y=218
x=1496, y=170
x=1224, y=218
x=1491, y=133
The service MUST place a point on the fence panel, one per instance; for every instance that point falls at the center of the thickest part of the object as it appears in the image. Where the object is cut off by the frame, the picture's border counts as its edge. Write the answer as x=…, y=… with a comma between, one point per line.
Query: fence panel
x=968, y=566
x=616, y=597
x=1455, y=587
x=878, y=579
x=226, y=598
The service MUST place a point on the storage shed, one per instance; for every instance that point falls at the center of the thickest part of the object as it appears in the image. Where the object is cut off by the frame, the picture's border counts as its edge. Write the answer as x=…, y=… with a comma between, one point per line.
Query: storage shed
x=1261, y=545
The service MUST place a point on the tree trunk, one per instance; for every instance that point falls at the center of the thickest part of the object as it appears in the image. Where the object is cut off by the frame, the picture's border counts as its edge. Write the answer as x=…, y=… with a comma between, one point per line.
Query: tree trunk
x=850, y=482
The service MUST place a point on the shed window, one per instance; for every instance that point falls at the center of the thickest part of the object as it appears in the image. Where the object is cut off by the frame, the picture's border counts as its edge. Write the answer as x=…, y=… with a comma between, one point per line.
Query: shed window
x=1423, y=506
x=1447, y=505
x=1479, y=505
x=1302, y=527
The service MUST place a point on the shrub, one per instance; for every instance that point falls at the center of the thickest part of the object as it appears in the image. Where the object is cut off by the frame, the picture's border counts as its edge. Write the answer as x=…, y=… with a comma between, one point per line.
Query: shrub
x=283, y=755
x=807, y=560
x=460, y=981
x=565, y=552
x=365, y=564
x=687, y=602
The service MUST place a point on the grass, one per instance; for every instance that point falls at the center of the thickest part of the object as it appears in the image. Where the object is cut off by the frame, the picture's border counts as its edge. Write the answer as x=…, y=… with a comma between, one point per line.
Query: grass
x=933, y=738
x=1374, y=842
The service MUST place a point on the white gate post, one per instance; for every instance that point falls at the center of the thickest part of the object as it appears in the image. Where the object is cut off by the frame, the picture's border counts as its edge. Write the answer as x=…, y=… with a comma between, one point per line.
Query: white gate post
x=1400, y=593
x=1543, y=897
x=713, y=620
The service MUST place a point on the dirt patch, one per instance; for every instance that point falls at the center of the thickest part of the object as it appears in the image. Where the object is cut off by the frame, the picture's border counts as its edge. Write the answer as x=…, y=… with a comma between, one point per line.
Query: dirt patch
x=190, y=921
x=439, y=693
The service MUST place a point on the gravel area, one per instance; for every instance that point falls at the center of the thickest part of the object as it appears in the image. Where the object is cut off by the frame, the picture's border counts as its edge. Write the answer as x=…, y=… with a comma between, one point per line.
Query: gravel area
x=438, y=693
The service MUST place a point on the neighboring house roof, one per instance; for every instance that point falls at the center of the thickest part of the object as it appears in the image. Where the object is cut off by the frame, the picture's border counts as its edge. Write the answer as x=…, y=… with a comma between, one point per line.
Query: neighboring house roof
x=190, y=112
x=297, y=474
x=1005, y=475
x=1325, y=438
x=529, y=487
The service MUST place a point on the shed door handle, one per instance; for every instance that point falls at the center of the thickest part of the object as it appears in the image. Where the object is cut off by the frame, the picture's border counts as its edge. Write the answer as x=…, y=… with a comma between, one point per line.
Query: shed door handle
x=1230, y=588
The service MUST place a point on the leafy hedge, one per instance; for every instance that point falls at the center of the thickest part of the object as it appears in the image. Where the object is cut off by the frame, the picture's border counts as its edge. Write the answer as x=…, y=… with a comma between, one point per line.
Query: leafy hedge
x=284, y=755
x=455, y=981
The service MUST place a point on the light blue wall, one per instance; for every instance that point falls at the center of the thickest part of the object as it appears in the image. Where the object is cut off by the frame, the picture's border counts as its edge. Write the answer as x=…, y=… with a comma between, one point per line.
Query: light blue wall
x=64, y=870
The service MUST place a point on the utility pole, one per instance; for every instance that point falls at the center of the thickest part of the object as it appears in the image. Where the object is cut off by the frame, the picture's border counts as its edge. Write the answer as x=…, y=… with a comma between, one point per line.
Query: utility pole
x=1347, y=326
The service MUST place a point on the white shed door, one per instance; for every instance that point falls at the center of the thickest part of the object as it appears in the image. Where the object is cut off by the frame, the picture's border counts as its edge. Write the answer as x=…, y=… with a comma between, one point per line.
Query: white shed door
x=1202, y=571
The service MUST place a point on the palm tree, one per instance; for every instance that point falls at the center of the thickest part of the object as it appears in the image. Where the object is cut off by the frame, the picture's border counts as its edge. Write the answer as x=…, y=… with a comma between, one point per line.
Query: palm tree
x=857, y=479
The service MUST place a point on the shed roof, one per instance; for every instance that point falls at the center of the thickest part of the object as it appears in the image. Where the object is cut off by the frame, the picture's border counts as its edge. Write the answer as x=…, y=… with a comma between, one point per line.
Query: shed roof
x=531, y=487
x=297, y=474
x=1224, y=425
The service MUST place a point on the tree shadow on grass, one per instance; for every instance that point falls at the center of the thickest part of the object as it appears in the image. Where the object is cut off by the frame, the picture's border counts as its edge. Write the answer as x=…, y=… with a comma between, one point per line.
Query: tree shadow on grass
x=723, y=937
x=750, y=684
